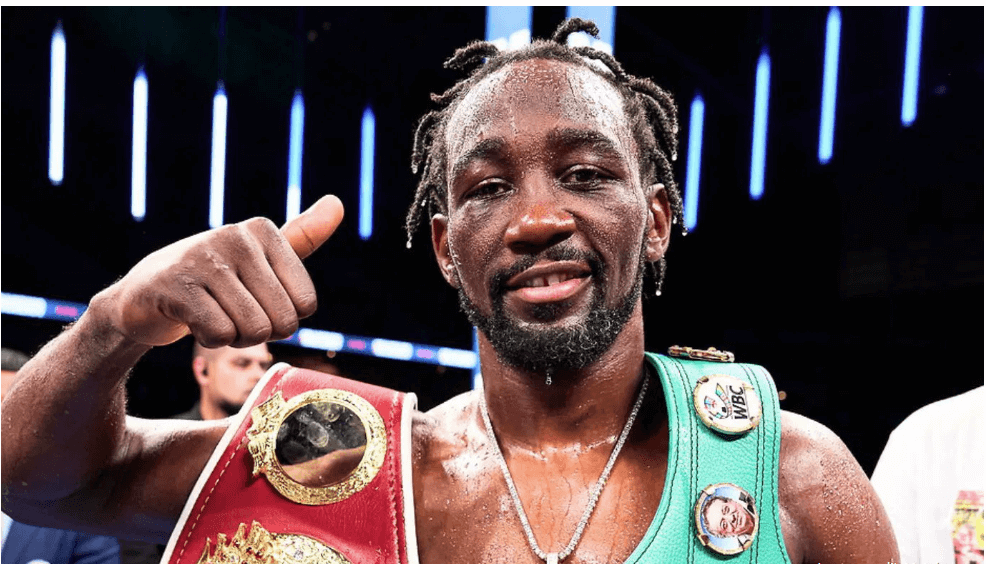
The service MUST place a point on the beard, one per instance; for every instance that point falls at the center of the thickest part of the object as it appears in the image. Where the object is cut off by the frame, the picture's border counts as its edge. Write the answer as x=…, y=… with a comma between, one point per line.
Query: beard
x=555, y=349
x=230, y=408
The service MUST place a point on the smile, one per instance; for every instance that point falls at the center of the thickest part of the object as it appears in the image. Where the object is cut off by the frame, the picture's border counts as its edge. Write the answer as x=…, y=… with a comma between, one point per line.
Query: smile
x=549, y=282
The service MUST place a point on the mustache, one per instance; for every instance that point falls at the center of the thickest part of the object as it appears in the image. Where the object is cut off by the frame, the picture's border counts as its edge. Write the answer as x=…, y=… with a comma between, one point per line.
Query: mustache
x=498, y=284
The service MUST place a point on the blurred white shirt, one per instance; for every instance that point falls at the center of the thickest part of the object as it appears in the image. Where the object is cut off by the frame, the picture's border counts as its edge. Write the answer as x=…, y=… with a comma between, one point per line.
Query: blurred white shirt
x=930, y=479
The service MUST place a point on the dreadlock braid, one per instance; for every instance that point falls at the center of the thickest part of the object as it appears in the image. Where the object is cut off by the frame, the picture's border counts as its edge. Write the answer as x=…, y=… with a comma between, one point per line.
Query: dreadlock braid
x=651, y=112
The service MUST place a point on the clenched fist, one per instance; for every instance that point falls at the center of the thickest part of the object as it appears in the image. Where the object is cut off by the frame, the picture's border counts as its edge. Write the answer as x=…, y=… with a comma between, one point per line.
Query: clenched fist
x=239, y=285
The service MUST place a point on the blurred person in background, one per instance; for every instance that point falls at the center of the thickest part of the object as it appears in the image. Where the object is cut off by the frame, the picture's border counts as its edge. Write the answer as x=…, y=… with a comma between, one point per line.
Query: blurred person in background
x=930, y=478
x=225, y=376
x=26, y=543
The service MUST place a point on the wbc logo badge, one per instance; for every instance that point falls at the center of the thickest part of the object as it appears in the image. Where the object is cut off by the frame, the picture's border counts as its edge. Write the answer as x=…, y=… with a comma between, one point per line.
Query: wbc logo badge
x=727, y=404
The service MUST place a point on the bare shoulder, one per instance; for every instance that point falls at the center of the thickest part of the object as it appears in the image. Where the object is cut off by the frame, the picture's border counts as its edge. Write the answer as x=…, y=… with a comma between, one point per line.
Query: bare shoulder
x=448, y=476
x=827, y=502
x=445, y=430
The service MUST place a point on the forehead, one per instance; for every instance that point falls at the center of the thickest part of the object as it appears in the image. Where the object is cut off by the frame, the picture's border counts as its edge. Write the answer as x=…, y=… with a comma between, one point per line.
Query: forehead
x=538, y=94
x=255, y=352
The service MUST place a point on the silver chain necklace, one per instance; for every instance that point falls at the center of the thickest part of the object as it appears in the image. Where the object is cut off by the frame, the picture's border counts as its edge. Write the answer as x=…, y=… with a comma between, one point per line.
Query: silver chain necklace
x=555, y=557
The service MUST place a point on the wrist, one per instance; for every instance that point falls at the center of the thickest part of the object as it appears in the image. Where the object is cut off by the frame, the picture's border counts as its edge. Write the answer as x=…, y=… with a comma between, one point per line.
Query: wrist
x=102, y=324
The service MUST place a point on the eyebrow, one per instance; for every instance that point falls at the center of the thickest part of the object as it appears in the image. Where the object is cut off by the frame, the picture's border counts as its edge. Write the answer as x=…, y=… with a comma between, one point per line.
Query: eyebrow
x=487, y=149
x=570, y=138
x=565, y=139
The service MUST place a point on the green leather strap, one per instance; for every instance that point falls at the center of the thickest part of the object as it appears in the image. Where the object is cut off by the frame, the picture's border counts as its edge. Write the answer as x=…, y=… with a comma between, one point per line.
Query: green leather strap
x=699, y=457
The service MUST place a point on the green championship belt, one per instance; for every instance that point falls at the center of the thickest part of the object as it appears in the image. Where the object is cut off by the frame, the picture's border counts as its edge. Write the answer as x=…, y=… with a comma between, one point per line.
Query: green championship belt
x=720, y=494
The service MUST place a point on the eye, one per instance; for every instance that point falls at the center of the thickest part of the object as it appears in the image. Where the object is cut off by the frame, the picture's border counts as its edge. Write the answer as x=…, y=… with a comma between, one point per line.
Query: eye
x=584, y=177
x=489, y=188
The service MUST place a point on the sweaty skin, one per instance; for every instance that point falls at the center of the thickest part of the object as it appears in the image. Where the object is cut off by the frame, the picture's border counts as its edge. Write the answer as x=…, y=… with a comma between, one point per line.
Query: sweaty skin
x=541, y=157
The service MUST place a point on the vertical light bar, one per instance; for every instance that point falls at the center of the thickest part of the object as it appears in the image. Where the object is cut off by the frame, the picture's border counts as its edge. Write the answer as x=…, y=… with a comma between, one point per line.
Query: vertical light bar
x=761, y=104
x=366, y=175
x=138, y=166
x=477, y=372
x=509, y=27
x=830, y=80
x=912, y=65
x=218, y=172
x=692, y=173
x=56, y=126
x=295, y=146
x=604, y=18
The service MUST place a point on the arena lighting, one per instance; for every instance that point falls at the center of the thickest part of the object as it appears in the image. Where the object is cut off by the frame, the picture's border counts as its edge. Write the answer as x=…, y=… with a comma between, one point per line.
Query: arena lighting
x=758, y=156
x=56, y=124
x=397, y=350
x=40, y=308
x=912, y=66
x=477, y=375
x=217, y=177
x=366, y=175
x=508, y=27
x=830, y=79
x=138, y=167
x=318, y=339
x=605, y=18
x=694, y=167
x=295, y=146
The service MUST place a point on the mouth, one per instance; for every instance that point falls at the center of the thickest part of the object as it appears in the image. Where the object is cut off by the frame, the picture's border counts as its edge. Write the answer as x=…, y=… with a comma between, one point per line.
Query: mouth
x=549, y=282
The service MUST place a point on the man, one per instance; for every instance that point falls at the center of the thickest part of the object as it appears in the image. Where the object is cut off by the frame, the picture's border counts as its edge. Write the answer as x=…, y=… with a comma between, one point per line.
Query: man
x=225, y=376
x=930, y=478
x=548, y=186
x=23, y=544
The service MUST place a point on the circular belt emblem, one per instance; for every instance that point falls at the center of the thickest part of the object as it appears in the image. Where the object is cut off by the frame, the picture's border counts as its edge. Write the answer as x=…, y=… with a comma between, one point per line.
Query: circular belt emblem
x=318, y=447
x=726, y=519
x=727, y=404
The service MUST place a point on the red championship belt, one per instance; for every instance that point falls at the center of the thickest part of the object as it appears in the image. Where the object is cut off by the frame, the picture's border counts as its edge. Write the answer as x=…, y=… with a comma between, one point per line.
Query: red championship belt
x=314, y=469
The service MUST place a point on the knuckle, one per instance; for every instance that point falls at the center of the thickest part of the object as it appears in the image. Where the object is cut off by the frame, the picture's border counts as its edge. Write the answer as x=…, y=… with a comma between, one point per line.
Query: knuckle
x=284, y=333
x=257, y=331
x=215, y=337
x=284, y=325
x=306, y=304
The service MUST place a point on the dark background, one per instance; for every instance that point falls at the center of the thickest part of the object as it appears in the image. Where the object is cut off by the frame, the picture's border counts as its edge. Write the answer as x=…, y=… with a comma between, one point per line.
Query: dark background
x=857, y=284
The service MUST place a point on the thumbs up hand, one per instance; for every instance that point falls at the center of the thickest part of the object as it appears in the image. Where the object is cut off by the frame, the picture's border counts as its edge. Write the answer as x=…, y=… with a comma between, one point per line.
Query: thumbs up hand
x=238, y=285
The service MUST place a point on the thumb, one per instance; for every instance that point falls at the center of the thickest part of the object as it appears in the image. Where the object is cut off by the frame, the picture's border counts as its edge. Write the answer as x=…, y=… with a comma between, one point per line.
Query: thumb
x=308, y=231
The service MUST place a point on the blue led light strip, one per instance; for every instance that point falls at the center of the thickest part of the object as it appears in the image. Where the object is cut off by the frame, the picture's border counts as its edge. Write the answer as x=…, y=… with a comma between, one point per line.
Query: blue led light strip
x=138, y=168
x=366, y=175
x=43, y=308
x=217, y=177
x=761, y=105
x=56, y=124
x=692, y=173
x=295, y=147
x=830, y=79
x=912, y=66
x=477, y=375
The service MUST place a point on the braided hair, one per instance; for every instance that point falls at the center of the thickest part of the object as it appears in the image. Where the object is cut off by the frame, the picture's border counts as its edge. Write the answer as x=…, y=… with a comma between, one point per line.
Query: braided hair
x=650, y=109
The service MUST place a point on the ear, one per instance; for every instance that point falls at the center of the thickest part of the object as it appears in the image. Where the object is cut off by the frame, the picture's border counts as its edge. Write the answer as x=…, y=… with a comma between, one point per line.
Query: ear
x=443, y=253
x=658, y=222
x=199, y=368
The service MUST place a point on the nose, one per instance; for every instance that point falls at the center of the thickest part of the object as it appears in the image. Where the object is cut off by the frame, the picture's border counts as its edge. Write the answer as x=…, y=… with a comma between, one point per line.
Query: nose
x=539, y=224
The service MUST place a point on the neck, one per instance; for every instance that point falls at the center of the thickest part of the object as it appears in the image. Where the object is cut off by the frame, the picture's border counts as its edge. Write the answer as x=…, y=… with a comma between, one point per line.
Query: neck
x=580, y=409
x=212, y=410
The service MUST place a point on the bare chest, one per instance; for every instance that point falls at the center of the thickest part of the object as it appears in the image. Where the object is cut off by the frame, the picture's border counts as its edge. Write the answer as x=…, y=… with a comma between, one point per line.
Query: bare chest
x=465, y=513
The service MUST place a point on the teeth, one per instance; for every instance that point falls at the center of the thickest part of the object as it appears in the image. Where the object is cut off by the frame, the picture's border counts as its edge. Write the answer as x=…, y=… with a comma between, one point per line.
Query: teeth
x=547, y=280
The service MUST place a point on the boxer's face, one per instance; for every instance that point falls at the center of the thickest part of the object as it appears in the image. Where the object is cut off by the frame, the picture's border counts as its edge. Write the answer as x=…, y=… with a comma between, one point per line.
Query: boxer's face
x=548, y=222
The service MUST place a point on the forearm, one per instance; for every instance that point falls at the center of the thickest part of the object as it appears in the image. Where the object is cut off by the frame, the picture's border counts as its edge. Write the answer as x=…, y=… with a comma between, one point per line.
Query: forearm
x=64, y=420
